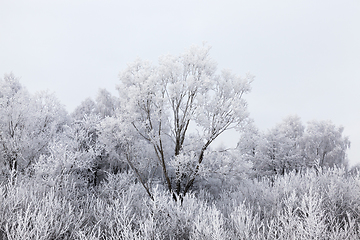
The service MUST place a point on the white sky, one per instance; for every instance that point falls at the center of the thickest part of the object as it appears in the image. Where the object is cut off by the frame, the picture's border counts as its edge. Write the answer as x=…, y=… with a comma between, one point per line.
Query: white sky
x=305, y=54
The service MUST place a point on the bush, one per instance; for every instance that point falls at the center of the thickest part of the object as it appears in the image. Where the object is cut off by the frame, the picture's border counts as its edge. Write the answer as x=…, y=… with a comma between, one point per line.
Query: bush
x=294, y=206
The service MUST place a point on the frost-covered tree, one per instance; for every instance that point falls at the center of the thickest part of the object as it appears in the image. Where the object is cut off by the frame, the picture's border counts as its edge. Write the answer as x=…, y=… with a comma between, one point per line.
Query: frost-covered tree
x=126, y=150
x=249, y=142
x=290, y=146
x=27, y=124
x=282, y=146
x=160, y=103
x=275, y=152
x=86, y=108
x=103, y=106
x=85, y=130
x=75, y=154
x=105, y=103
x=325, y=145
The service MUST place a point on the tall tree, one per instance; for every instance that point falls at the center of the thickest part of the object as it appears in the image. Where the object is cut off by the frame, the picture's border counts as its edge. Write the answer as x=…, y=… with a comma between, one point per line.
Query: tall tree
x=161, y=102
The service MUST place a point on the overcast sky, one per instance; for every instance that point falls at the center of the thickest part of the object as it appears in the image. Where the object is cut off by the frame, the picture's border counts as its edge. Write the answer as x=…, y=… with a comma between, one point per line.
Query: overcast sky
x=305, y=54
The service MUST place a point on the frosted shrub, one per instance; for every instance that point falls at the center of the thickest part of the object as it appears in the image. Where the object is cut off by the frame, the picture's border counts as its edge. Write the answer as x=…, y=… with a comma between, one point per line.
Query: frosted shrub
x=313, y=220
x=222, y=170
x=51, y=218
x=305, y=221
x=63, y=166
x=123, y=219
x=208, y=224
x=340, y=196
x=245, y=223
x=294, y=206
x=116, y=185
x=28, y=213
x=165, y=218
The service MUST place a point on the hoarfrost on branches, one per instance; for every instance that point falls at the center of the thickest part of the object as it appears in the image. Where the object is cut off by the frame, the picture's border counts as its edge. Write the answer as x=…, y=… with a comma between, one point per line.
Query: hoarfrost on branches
x=161, y=102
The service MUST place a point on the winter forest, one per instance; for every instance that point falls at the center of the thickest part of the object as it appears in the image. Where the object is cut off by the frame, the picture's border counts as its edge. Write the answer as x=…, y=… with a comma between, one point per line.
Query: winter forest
x=145, y=164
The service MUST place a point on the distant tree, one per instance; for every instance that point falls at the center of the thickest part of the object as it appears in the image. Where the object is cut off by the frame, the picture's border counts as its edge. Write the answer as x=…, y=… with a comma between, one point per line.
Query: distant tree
x=105, y=103
x=104, y=106
x=289, y=146
x=249, y=142
x=277, y=151
x=325, y=145
x=86, y=108
x=27, y=124
x=160, y=102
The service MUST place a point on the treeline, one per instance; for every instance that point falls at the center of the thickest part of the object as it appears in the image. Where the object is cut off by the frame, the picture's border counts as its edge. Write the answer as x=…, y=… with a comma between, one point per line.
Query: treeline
x=155, y=140
x=147, y=129
x=292, y=146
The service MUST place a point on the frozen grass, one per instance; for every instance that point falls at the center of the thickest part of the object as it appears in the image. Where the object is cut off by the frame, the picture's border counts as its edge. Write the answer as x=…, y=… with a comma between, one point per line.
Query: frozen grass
x=294, y=206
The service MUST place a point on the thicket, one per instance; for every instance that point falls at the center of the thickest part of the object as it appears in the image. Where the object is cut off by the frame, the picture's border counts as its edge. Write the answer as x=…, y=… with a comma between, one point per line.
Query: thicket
x=310, y=205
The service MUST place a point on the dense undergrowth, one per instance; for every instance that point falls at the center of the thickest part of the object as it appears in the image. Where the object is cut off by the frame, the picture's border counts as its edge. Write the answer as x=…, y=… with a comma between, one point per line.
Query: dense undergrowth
x=295, y=206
